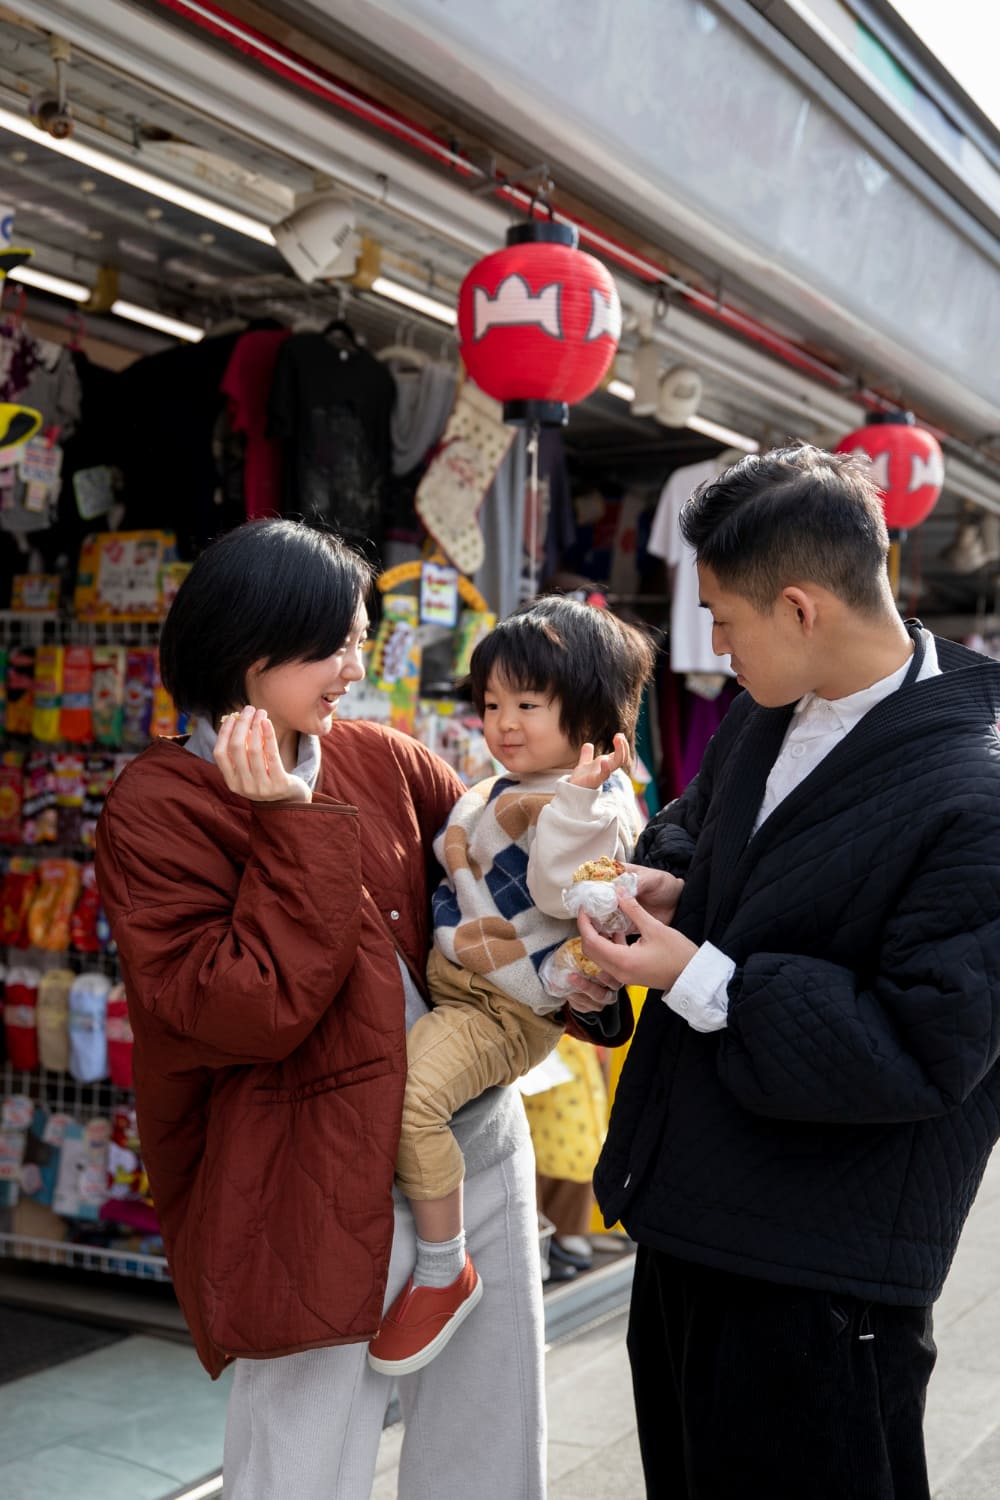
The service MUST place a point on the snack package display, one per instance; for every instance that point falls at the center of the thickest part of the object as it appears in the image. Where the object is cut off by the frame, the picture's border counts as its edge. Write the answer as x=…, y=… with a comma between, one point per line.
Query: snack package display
x=20, y=690
x=140, y=667
x=108, y=688
x=40, y=818
x=595, y=889
x=11, y=795
x=49, y=669
x=53, y=904
x=16, y=896
x=76, y=722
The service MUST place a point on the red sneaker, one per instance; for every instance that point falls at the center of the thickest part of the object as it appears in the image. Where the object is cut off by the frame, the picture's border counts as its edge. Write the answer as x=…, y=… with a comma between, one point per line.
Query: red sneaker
x=421, y=1321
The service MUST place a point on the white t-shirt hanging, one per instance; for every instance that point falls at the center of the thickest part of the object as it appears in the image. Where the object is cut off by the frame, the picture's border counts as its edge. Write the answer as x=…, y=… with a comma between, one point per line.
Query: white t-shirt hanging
x=690, y=625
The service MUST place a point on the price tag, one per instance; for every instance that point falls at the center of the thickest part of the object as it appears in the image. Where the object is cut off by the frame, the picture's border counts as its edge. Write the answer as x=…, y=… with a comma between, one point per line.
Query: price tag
x=41, y=464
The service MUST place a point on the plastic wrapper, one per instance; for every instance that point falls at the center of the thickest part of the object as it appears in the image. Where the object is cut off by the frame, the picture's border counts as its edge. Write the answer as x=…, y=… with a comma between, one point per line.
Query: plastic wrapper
x=562, y=971
x=599, y=899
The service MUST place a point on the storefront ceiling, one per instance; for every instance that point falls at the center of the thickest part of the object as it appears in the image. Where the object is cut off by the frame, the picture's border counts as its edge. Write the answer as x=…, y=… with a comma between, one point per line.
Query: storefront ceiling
x=169, y=261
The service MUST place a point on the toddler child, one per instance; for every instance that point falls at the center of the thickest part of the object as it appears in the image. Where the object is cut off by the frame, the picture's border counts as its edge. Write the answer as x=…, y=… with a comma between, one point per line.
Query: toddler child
x=558, y=685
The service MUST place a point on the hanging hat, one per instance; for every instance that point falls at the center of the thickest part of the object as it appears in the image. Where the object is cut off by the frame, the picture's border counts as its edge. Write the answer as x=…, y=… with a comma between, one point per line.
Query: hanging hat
x=681, y=391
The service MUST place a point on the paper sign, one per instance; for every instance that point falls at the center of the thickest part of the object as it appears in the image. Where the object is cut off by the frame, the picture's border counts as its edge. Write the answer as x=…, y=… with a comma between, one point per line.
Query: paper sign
x=438, y=595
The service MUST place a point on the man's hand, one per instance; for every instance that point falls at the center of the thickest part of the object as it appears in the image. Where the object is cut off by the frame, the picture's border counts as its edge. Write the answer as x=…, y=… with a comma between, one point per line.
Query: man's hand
x=593, y=773
x=656, y=892
x=246, y=752
x=655, y=960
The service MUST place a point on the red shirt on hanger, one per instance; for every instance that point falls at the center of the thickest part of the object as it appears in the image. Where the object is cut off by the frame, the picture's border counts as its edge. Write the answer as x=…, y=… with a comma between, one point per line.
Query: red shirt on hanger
x=247, y=385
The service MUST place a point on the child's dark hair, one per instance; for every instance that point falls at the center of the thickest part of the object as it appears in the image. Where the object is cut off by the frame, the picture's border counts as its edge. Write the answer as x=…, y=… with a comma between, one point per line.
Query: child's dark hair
x=270, y=591
x=588, y=659
x=794, y=515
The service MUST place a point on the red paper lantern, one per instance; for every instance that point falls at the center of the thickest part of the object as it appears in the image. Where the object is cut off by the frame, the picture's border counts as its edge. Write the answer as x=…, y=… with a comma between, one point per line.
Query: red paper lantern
x=539, y=323
x=908, y=465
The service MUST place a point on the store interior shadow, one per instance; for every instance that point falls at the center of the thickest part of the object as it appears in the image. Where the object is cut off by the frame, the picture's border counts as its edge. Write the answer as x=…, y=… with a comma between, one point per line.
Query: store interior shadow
x=33, y=1341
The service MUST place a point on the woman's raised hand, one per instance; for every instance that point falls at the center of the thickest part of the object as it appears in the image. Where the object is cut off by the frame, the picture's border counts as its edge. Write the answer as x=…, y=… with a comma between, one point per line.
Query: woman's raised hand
x=246, y=752
x=593, y=771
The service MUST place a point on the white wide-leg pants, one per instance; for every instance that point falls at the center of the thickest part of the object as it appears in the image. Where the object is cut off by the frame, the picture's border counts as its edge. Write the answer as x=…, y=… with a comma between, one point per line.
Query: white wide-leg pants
x=307, y=1426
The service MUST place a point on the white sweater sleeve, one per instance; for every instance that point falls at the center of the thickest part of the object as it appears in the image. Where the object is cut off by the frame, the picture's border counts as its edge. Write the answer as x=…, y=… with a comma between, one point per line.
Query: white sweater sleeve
x=576, y=826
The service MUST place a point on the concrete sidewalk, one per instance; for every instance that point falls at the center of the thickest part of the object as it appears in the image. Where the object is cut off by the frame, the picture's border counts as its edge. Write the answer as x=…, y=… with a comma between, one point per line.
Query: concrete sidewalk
x=593, y=1454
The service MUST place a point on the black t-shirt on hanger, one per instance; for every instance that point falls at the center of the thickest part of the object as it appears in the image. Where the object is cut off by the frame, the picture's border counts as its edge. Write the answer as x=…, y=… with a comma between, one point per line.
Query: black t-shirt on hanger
x=169, y=404
x=331, y=406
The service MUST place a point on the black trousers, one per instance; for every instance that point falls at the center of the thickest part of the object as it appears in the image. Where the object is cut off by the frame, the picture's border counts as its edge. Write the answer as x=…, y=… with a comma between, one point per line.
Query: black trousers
x=747, y=1390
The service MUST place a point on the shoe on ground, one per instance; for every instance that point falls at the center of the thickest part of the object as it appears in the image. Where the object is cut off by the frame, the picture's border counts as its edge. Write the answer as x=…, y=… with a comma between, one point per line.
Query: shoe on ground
x=421, y=1321
x=573, y=1250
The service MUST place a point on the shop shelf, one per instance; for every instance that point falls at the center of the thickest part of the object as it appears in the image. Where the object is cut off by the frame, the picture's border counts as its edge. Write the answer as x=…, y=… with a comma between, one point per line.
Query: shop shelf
x=84, y=1257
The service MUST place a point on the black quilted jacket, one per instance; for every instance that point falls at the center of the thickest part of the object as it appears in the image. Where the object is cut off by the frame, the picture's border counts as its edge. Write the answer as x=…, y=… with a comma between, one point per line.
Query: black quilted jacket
x=834, y=1135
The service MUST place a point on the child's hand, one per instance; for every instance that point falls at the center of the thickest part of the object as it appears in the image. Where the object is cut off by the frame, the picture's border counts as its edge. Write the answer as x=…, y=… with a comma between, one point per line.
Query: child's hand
x=593, y=773
x=246, y=752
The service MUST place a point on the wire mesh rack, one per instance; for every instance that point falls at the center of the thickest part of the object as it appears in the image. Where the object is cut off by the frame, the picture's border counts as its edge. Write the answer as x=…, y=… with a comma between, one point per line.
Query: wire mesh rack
x=50, y=628
x=59, y=1093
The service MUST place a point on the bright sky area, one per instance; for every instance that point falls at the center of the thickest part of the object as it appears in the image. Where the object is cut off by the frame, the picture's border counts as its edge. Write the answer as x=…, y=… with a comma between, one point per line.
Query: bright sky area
x=965, y=37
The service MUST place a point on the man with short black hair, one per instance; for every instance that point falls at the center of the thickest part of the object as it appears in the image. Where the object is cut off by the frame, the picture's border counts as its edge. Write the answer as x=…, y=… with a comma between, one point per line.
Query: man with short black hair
x=809, y=1104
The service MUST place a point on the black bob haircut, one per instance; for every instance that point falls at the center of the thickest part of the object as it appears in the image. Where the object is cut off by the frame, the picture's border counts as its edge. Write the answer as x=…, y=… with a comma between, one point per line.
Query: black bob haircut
x=270, y=591
x=594, y=664
x=793, y=516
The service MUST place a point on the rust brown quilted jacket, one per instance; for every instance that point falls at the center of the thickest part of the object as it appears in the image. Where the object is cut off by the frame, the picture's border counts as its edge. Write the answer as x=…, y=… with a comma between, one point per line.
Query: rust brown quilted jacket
x=258, y=947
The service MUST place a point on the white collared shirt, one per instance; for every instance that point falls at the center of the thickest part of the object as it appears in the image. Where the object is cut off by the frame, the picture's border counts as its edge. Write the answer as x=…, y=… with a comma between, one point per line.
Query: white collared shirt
x=701, y=992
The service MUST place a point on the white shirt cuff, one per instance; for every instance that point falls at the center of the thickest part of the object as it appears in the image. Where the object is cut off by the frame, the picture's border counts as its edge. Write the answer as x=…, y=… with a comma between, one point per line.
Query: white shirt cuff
x=700, y=995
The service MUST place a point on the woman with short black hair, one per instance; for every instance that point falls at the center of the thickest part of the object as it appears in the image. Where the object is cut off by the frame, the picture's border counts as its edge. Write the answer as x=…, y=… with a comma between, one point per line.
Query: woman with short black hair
x=267, y=882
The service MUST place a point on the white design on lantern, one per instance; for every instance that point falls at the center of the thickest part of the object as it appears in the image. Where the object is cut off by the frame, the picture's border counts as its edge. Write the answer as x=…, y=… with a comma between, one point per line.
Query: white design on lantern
x=605, y=316
x=929, y=470
x=880, y=467
x=514, y=305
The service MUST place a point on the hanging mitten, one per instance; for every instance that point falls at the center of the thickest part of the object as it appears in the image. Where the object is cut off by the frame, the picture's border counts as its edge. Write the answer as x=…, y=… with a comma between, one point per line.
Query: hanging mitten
x=120, y=1039
x=20, y=1017
x=53, y=1019
x=461, y=471
x=88, y=1042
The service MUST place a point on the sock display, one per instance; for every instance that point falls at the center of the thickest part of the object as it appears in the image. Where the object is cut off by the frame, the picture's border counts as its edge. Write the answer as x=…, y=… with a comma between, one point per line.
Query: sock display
x=53, y=1019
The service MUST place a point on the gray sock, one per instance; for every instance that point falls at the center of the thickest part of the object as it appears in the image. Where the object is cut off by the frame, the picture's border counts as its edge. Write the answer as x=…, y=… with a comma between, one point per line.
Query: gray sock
x=439, y=1262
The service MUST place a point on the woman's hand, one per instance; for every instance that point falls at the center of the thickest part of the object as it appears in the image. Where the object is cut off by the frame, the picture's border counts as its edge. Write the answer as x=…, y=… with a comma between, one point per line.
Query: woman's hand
x=593, y=773
x=246, y=752
x=655, y=960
